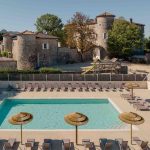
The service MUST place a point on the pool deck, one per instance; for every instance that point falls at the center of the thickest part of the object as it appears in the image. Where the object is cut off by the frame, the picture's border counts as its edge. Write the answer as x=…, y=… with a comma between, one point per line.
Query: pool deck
x=143, y=131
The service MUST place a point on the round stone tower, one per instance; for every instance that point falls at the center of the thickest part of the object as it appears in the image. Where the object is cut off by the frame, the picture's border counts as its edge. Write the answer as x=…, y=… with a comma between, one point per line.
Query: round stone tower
x=7, y=42
x=104, y=23
x=26, y=52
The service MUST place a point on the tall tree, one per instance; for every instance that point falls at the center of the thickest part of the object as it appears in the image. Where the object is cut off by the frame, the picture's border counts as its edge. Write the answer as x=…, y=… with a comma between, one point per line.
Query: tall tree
x=147, y=44
x=50, y=24
x=1, y=34
x=79, y=34
x=124, y=38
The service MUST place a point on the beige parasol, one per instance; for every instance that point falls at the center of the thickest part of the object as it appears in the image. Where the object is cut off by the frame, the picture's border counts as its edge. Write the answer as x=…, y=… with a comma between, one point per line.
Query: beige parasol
x=131, y=118
x=76, y=119
x=132, y=86
x=21, y=119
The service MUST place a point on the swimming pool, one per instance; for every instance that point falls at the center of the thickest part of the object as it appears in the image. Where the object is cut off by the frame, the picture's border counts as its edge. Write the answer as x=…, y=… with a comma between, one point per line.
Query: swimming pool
x=48, y=114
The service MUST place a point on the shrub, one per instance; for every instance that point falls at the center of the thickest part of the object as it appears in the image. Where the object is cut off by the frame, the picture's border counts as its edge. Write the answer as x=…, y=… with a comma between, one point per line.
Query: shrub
x=41, y=70
x=6, y=70
x=5, y=54
x=49, y=70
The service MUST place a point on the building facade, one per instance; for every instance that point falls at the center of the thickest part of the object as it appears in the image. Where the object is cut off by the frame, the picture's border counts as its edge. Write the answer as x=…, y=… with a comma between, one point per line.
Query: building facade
x=101, y=25
x=34, y=49
x=31, y=50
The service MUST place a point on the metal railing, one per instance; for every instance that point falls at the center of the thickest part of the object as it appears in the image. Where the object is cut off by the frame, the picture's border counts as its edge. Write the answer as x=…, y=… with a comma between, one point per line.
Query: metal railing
x=72, y=77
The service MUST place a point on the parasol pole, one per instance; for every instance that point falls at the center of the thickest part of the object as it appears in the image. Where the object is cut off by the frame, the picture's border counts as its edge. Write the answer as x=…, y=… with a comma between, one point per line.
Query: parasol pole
x=131, y=134
x=132, y=92
x=21, y=134
x=76, y=134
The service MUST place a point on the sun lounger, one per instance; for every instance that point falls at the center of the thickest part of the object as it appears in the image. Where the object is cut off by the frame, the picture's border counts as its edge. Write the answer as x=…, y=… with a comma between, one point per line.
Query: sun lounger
x=85, y=88
x=86, y=143
x=123, y=145
x=18, y=87
x=66, y=144
x=51, y=87
x=77, y=87
x=106, y=87
x=69, y=86
x=93, y=87
x=141, y=107
x=9, y=145
x=121, y=87
x=108, y=146
x=30, y=87
x=45, y=87
x=143, y=144
x=24, y=87
x=65, y=87
x=46, y=146
x=58, y=88
x=57, y=145
x=103, y=142
x=30, y=143
x=99, y=87
x=36, y=87
x=42, y=87
x=90, y=87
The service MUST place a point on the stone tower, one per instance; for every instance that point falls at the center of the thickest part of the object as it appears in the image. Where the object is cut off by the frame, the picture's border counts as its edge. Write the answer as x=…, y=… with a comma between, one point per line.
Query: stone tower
x=24, y=53
x=7, y=42
x=104, y=22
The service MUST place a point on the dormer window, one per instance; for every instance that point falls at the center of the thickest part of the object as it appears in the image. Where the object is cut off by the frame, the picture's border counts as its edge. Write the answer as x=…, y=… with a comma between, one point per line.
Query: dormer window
x=45, y=46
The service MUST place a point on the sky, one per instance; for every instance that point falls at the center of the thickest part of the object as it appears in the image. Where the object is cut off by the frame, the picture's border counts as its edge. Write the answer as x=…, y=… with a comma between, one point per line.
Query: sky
x=20, y=15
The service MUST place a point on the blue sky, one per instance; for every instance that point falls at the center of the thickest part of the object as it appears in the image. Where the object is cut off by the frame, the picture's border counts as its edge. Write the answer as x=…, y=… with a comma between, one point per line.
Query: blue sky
x=19, y=15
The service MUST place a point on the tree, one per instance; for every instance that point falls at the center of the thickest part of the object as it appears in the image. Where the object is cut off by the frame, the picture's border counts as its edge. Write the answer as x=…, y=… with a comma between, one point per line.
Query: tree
x=50, y=24
x=1, y=34
x=79, y=34
x=124, y=38
x=147, y=44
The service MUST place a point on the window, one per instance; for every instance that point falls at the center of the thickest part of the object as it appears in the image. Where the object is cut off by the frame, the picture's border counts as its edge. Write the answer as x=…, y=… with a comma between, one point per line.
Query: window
x=105, y=35
x=45, y=46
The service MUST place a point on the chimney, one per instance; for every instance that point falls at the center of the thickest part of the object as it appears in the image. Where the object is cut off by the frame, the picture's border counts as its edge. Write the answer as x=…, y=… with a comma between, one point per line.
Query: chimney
x=131, y=20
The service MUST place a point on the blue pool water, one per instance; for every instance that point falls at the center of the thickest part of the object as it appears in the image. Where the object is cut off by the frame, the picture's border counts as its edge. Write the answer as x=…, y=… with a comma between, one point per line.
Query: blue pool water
x=49, y=113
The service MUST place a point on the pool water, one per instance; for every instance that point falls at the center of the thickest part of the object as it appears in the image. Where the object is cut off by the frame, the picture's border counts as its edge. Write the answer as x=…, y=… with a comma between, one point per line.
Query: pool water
x=48, y=114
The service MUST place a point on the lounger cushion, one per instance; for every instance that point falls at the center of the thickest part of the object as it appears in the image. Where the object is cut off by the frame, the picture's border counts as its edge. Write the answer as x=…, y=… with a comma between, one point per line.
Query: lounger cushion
x=103, y=141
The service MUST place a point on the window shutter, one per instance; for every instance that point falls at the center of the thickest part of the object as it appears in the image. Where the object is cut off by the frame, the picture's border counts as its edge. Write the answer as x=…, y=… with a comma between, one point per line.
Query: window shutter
x=47, y=46
x=43, y=46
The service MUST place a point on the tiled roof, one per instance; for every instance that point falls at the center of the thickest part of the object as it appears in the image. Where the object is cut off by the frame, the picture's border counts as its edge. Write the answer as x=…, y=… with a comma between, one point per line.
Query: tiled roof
x=46, y=36
x=8, y=34
x=26, y=33
x=38, y=35
x=106, y=14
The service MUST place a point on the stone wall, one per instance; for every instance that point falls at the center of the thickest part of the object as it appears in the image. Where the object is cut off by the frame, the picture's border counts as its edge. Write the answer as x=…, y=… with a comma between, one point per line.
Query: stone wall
x=67, y=55
x=7, y=42
x=46, y=57
x=11, y=65
x=24, y=51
